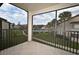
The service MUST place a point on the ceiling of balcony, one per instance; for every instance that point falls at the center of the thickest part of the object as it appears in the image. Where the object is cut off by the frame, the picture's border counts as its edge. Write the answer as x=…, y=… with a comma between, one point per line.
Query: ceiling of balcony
x=37, y=6
x=34, y=6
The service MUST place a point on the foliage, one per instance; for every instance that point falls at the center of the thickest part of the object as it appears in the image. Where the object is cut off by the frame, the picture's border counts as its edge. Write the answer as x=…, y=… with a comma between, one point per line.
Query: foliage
x=65, y=15
x=52, y=23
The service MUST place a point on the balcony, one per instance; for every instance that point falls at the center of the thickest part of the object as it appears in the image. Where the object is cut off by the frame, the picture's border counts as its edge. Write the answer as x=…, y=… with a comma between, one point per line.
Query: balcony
x=33, y=48
x=44, y=36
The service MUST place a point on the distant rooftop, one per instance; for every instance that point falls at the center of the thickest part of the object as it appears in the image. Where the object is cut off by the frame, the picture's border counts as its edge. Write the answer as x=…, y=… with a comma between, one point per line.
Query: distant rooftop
x=5, y=20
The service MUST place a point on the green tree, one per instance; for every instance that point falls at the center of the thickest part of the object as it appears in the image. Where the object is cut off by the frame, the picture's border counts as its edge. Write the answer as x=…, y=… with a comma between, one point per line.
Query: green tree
x=52, y=23
x=65, y=16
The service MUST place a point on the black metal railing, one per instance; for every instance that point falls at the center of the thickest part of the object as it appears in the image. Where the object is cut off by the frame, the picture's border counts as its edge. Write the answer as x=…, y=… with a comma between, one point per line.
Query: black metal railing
x=68, y=41
x=11, y=37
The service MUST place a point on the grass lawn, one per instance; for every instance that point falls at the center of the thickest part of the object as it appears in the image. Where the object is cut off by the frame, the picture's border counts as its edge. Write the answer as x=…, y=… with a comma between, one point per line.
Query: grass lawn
x=55, y=39
x=11, y=38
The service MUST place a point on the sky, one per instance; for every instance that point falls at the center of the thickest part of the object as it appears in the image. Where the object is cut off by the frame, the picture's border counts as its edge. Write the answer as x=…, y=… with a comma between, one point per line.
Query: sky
x=16, y=15
x=43, y=19
x=13, y=14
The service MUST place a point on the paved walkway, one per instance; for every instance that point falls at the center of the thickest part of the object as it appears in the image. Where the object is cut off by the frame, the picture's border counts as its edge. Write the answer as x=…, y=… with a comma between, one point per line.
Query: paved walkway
x=33, y=48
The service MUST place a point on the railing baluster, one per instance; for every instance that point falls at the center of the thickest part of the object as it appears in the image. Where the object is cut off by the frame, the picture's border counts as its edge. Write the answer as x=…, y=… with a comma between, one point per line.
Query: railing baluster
x=77, y=43
x=74, y=40
x=1, y=39
x=70, y=41
x=9, y=37
x=13, y=32
x=54, y=38
x=64, y=40
x=5, y=38
x=59, y=43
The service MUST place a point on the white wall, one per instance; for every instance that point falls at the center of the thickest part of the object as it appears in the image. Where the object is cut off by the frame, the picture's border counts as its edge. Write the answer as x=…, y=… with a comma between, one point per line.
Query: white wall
x=60, y=27
x=76, y=26
x=68, y=25
x=76, y=19
x=5, y=25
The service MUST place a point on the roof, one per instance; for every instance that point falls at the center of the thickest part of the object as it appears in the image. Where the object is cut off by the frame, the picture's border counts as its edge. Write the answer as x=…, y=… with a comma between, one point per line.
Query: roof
x=75, y=16
x=5, y=20
x=77, y=22
x=2, y=19
x=1, y=4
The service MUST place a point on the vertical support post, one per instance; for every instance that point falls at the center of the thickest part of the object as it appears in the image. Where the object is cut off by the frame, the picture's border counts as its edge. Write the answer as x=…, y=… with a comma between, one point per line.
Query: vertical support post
x=30, y=27
x=55, y=29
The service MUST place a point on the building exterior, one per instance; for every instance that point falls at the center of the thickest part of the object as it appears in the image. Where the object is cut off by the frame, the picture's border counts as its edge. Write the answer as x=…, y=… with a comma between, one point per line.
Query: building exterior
x=70, y=25
x=22, y=26
x=4, y=24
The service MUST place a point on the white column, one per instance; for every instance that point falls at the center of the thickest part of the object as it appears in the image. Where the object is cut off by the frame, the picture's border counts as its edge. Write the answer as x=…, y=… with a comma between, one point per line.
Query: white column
x=30, y=27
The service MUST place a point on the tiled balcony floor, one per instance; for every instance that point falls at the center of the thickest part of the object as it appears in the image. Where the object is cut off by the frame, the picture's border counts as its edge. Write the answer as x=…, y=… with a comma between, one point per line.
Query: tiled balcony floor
x=33, y=48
